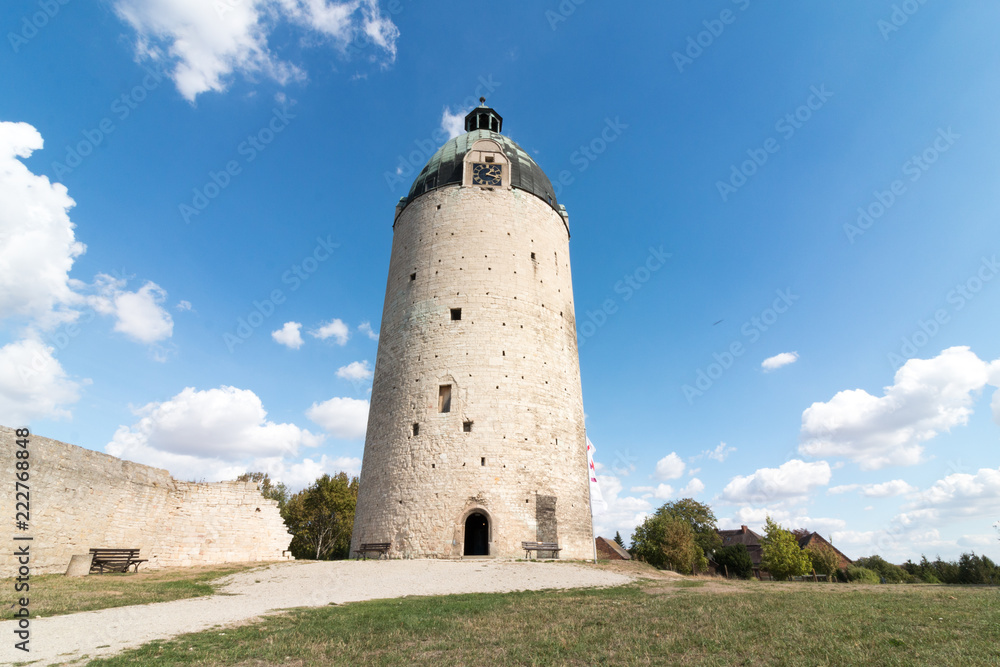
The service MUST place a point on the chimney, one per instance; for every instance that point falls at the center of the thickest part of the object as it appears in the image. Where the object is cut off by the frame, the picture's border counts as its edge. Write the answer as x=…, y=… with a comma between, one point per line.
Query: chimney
x=744, y=529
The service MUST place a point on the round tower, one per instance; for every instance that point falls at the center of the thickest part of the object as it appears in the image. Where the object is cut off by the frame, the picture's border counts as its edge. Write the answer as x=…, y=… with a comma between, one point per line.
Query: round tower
x=475, y=437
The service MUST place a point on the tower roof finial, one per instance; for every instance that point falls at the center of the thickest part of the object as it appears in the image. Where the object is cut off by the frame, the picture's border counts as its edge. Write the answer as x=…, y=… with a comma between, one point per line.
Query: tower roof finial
x=483, y=118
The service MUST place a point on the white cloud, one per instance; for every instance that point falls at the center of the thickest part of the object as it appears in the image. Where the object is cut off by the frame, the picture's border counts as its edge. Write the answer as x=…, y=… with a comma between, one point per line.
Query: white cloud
x=203, y=43
x=138, y=314
x=623, y=514
x=995, y=381
x=183, y=305
x=344, y=418
x=356, y=370
x=790, y=482
x=755, y=518
x=37, y=241
x=33, y=385
x=215, y=434
x=334, y=328
x=896, y=487
x=300, y=474
x=779, y=360
x=978, y=541
x=663, y=492
x=958, y=496
x=693, y=488
x=929, y=396
x=670, y=467
x=366, y=329
x=290, y=335
x=720, y=453
x=453, y=123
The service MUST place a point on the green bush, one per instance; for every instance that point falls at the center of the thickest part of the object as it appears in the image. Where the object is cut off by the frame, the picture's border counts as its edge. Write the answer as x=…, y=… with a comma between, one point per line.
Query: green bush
x=893, y=574
x=862, y=575
x=736, y=559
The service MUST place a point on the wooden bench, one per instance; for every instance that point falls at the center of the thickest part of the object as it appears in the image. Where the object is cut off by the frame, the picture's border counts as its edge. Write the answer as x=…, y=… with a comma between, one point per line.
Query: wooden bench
x=540, y=546
x=115, y=560
x=381, y=547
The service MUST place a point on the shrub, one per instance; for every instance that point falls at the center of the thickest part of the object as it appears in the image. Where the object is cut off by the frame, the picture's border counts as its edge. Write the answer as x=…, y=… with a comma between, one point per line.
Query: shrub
x=862, y=575
x=736, y=560
x=893, y=574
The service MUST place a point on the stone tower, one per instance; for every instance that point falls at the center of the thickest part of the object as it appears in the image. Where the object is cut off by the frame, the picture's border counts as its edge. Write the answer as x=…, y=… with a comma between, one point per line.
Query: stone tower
x=475, y=437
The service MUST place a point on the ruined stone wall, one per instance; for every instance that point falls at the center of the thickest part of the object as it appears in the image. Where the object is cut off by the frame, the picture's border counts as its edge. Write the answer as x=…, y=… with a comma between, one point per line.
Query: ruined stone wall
x=82, y=499
x=502, y=256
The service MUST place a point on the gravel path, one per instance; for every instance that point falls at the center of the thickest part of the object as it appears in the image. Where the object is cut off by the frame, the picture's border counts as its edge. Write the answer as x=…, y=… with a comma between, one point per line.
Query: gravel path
x=64, y=639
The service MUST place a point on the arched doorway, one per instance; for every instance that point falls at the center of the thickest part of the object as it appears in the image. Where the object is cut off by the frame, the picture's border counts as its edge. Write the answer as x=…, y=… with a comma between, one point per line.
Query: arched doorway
x=477, y=535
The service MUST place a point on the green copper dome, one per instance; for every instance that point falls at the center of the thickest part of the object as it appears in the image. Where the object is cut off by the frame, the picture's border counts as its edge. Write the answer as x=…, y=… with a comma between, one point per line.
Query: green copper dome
x=445, y=166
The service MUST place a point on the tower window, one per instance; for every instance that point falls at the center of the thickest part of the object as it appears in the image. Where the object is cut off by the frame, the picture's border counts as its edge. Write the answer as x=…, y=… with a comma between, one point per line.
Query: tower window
x=482, y=461
x=444, y=398
x=489, y=158
x=416, y=429
x=413, y=276
x=467, y=427
x=532, y=255
x=456, y=313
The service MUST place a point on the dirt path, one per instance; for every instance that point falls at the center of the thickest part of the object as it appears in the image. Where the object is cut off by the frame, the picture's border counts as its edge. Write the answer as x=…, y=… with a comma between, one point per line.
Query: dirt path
x=247, y=595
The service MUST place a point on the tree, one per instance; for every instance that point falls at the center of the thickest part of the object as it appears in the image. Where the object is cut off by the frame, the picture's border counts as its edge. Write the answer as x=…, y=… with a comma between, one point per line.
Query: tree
x=666, y=542
x=736, y=560
x=781, y=555
x=321, y=517
x=824, y=559
x=892, y=574
x=701, y=519
x=618, y=540
x=270, y=490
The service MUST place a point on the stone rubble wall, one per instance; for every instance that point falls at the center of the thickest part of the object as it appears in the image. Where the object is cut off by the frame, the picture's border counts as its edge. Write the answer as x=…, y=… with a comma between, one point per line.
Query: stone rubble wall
x=82, y=499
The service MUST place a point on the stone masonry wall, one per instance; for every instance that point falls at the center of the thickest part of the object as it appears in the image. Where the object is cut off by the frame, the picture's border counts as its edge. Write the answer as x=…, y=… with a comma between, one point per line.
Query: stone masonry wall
x=82, y=499
x=502, y=256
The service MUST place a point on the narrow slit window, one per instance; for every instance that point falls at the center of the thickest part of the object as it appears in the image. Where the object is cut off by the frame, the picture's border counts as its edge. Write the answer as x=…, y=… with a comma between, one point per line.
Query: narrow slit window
x=482, y=461
x=416, y=429
x=532, y=255
x=467, y=427
x=456, y=314
x=413, y=276
x=444, y=398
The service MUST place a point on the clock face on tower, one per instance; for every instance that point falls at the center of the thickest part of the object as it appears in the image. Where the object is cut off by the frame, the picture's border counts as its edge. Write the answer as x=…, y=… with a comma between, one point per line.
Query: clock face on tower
x=484, y=173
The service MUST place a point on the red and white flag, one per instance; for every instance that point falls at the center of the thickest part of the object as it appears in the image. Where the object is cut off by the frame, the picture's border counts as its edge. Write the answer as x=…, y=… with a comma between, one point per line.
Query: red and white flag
x=596, y=499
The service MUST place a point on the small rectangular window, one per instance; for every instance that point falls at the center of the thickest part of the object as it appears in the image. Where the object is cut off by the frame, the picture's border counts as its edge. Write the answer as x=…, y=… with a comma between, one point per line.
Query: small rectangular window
x=489, y=158
x=444, y=398
x=482, y=461
x=416, y=429
x=467, y=427
x=532, y=255
x=413, y=276
x=456, y=313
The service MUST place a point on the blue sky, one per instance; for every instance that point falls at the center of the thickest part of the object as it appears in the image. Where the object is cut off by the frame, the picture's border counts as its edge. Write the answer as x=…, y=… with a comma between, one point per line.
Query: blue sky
x=196, y=210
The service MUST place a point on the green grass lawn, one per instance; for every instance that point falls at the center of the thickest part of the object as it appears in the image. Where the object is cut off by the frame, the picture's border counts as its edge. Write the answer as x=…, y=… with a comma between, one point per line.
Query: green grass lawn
x=54, y=594
x=718, y=623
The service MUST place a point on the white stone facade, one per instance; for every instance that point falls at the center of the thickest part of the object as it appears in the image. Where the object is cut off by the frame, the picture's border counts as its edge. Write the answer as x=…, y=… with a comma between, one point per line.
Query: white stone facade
x=512, y=446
